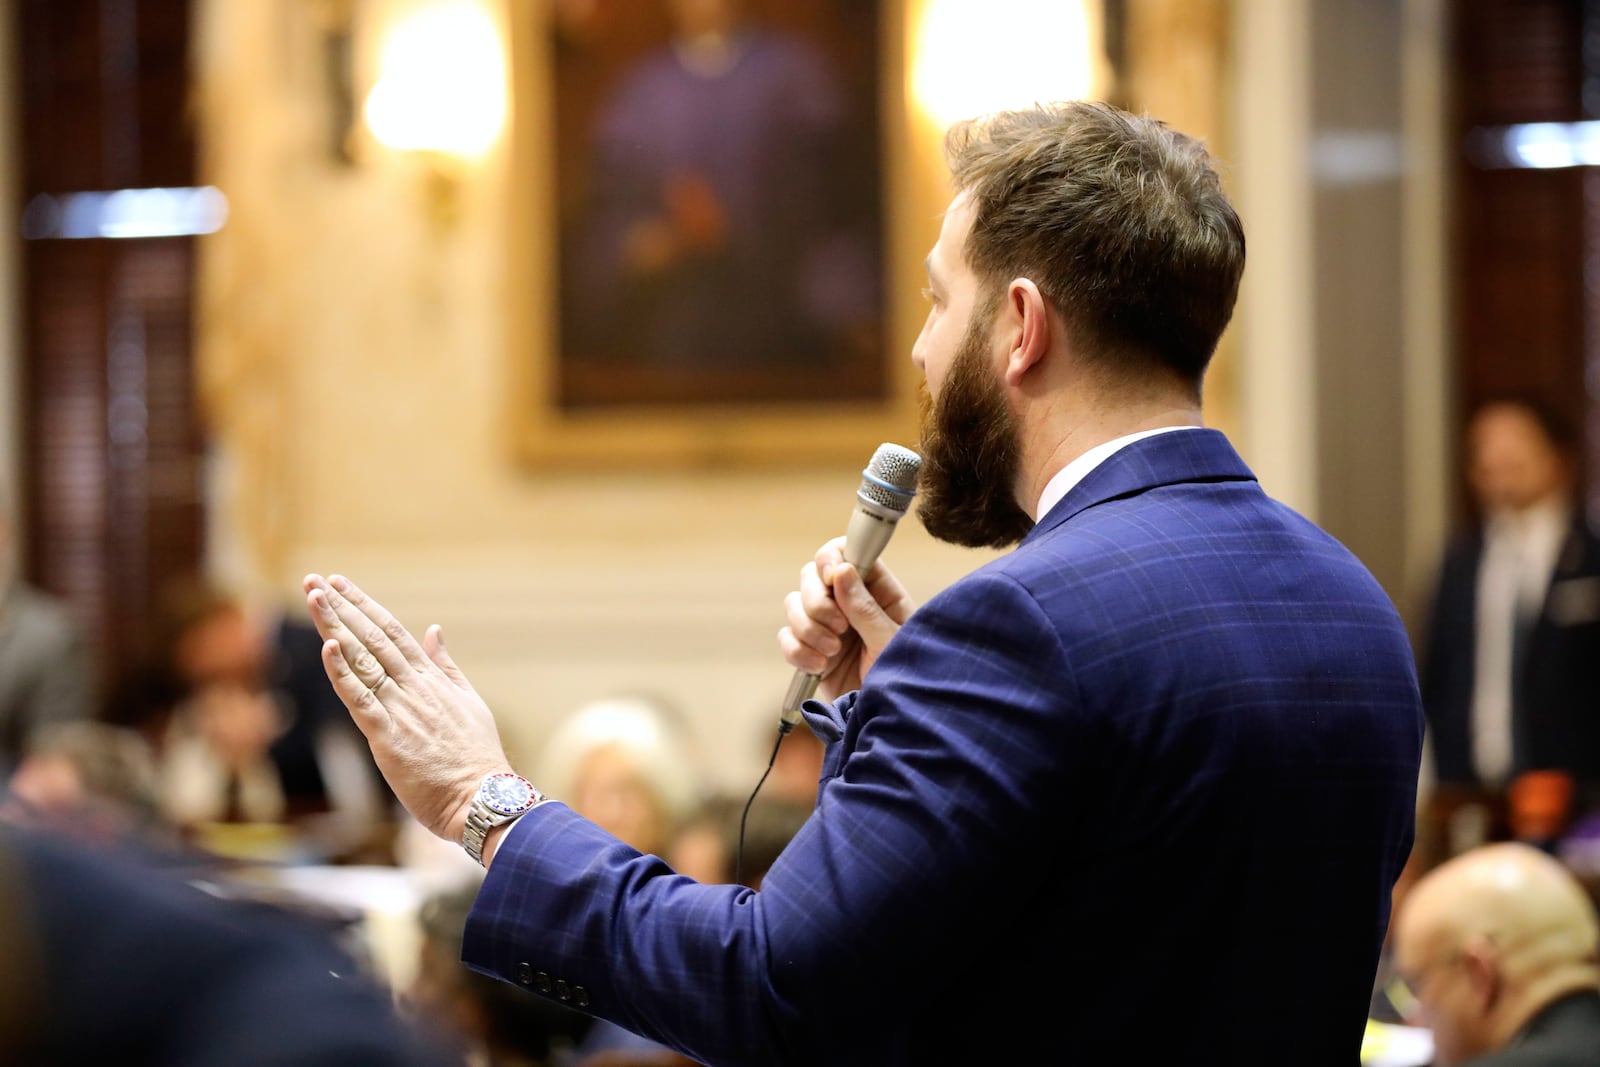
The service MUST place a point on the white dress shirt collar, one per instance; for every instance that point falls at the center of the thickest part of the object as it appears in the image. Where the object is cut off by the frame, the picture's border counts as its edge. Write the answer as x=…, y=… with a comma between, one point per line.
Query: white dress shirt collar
x=1073, y=473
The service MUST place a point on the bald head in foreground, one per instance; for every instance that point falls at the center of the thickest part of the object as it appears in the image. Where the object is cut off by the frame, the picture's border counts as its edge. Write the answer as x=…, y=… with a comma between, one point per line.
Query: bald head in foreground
x=1501, y=948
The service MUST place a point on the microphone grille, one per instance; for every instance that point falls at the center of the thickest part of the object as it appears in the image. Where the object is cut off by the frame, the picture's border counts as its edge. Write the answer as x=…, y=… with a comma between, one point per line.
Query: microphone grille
x=890, y=479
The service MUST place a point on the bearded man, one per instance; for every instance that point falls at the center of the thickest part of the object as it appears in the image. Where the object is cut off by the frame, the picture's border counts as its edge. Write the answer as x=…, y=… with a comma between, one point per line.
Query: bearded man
x=1136, y=791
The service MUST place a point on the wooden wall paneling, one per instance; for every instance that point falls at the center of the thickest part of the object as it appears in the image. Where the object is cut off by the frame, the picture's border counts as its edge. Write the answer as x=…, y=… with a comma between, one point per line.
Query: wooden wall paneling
x=1519, y=235
x=111, y=444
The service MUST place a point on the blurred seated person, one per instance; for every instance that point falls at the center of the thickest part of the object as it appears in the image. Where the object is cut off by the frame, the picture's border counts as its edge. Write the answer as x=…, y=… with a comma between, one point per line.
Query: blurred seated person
x=796, y=766
x=627, y=764
x=107, y=959
x=47, y=670
x=1500, y=948
x=707, y=844
x=92, y=781
x=723, y=843
x=257, y=737
x=1392, y=1001
x=1510, y=660
x=486, y=1022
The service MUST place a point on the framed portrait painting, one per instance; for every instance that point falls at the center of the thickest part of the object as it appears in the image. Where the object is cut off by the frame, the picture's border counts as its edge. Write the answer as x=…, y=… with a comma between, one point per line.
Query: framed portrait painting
x=711, y=179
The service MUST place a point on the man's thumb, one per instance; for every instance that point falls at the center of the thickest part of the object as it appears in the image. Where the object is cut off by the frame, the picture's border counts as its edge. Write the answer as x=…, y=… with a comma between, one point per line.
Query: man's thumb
x=433, y=645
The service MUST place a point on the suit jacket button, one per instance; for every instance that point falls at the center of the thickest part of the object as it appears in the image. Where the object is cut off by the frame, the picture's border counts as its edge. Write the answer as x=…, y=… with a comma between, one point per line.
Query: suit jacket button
x=524, y=974
x=563, y=991
x=542, y=983
x=580, y=996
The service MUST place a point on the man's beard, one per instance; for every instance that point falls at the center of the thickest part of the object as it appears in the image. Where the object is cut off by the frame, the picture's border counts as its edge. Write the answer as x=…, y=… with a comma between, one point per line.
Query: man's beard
x=971, y=452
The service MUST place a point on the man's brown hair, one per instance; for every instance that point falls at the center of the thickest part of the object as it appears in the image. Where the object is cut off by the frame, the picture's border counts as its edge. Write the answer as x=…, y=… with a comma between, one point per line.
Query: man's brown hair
x=1120, y=221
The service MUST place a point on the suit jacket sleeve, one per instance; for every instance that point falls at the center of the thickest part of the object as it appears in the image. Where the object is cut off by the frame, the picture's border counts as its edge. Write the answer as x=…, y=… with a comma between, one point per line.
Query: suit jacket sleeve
x=961, y=746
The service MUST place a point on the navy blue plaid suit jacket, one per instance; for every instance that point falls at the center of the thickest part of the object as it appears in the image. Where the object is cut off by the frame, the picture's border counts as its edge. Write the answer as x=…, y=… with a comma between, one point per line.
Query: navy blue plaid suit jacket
x=1137, y=791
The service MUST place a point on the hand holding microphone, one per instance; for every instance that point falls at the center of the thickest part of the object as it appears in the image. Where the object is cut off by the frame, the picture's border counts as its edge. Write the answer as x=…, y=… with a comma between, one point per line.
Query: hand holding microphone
x=841, y=617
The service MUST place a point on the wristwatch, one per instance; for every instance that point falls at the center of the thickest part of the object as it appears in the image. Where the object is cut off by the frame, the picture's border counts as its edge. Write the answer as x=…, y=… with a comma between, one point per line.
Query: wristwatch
x=501, y=798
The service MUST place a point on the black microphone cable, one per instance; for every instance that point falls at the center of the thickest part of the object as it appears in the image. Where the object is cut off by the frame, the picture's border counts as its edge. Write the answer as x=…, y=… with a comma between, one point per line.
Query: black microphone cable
x=738, y=852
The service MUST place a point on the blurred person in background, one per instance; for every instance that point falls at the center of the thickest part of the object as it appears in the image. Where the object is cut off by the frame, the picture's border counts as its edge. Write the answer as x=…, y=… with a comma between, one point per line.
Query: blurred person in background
x=251, y=741
x=104, y=958
x=628, y=764
x=47, y=668
x=723, y=843
x=707, y=844
x=1500, y=952
x=707, y=841
x=1510, y=657
x=486, y=1022
x=93, y=781
x=797, y=766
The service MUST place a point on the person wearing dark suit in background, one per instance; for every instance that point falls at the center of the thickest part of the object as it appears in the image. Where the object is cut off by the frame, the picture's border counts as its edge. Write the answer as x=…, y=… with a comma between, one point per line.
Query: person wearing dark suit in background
x=1078, y=804
x=104, y=958
x=1500, y=950
x=253, y=737
x=1510, y=656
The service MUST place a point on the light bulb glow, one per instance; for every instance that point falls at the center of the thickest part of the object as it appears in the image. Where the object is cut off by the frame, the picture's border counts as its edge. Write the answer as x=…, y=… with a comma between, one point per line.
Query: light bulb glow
x=442, y=82
x=972, y=59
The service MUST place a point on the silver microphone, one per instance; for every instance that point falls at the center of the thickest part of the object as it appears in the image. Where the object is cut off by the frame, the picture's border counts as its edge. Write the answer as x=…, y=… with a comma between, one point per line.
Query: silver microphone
x=887, y=486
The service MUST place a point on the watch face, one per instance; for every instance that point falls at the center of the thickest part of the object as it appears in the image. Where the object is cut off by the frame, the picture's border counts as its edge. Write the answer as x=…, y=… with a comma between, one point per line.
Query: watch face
x=509, y=794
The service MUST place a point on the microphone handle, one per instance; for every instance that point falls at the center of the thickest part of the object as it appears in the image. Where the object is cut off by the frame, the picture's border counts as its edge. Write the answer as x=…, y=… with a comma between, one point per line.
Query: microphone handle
x=801, y=689
x=865, y=536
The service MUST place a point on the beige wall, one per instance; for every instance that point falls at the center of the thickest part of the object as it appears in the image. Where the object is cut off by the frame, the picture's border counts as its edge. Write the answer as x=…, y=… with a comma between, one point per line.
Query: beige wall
x=1342, y=323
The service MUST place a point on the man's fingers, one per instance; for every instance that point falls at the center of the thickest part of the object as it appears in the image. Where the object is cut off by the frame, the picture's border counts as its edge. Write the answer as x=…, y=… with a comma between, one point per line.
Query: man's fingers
x=810, y=631
x=827, y=557
x=358, y=659
x=800, y=656
x=367, y=710
x=817, y=603
x=866, y=615
x=377, y=630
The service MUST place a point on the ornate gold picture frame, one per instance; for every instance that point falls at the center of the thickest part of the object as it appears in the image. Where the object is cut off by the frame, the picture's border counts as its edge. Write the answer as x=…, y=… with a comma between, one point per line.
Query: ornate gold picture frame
x=705, y=270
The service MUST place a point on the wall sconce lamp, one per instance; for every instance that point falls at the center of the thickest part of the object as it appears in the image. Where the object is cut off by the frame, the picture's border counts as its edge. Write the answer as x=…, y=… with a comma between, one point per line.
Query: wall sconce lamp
x=441, y=95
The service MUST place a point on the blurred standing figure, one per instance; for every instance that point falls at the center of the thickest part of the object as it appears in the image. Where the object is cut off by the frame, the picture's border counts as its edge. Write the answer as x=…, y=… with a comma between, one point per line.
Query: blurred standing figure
x=1499, y=949
x=1510, y=668
x=47, y=670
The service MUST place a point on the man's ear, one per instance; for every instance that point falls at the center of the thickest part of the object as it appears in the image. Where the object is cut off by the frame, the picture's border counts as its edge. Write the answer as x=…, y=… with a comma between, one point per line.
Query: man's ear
x=1482, y=967
x=1029, y=315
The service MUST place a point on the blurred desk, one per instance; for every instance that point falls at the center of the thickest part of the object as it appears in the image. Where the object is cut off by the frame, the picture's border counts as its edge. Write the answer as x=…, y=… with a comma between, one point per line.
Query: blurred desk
x=1392, y=1045
x=377, y=905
